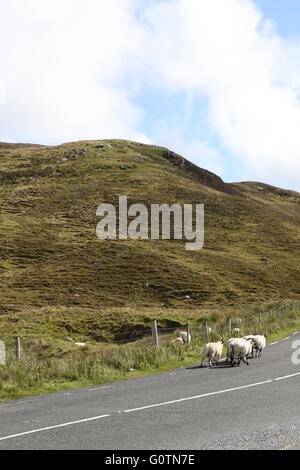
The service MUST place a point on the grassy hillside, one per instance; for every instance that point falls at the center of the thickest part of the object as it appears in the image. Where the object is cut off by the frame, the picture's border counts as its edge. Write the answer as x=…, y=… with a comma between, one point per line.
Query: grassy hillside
x=56, y=277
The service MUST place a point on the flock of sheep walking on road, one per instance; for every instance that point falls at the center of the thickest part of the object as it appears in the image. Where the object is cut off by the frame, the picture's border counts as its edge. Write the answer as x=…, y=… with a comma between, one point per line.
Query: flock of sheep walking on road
x=238, y=350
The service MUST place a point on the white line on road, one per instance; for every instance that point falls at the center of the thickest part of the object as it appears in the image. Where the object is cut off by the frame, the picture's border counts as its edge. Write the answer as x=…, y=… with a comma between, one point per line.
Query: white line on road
x=151, y=406
x=210, y=394
x=286, y=377
x=54, y=427
x=198, y=396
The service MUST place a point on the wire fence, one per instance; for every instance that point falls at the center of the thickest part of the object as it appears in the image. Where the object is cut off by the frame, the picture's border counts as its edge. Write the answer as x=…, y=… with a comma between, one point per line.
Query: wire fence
x=259, y=322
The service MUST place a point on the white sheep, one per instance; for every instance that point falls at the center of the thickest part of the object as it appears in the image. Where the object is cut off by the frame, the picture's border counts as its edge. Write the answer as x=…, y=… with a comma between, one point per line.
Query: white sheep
x=213, y=351
x=240, y=349
x=184, y=336
x=229, y=348
x=236, y=331
x=177, y=341
x=259, y=343
x=252, y=344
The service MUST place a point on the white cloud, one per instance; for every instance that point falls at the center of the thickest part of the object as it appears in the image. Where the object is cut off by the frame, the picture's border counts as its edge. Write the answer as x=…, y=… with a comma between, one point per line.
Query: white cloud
x=63, y=63
x=73, y=69
x=225, y=50
x=2, y=93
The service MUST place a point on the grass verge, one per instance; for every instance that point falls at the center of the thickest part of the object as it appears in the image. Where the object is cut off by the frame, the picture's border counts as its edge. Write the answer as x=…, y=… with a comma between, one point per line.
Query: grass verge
x=35, y=374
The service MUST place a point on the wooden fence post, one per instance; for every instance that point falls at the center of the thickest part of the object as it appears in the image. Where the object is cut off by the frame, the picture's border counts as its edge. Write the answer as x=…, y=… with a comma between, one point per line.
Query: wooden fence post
x=155, y=334
x=260, y=319
x=188, y=335
x=2, y=354
x=206, y=331
x=229, y=326
x=18, y=347
x=270, y=315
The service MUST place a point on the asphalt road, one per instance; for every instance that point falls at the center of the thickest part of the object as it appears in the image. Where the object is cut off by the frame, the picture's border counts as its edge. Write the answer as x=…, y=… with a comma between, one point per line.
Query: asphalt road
x=246, y=407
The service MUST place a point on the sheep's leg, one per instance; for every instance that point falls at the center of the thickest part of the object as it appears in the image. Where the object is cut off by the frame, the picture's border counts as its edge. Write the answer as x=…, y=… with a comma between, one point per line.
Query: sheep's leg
x=215, y=359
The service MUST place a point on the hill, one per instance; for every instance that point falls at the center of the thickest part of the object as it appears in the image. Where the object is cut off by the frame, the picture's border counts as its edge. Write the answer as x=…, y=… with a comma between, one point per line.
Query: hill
x=52, y=264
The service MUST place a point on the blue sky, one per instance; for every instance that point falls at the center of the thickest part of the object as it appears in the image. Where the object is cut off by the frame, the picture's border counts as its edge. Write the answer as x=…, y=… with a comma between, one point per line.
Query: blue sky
x=285, y=13
x=214, y=80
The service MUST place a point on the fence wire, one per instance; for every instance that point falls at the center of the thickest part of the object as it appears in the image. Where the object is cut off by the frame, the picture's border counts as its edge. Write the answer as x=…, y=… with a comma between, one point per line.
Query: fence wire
x=260, y=322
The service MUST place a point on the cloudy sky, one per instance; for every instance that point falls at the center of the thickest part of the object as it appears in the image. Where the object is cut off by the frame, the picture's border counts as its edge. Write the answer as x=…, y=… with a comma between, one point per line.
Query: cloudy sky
x=216, y=80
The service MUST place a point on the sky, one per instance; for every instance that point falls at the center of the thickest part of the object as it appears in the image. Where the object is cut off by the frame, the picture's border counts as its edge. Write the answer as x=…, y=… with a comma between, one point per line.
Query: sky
x=217, y=81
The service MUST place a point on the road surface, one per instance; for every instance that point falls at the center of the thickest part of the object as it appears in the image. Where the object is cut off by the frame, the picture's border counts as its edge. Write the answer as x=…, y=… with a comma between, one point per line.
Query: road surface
x=254, y=407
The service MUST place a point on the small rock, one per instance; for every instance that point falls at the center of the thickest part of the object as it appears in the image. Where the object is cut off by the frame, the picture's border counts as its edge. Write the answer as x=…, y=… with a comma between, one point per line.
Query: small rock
x=109, y=146
x=80, y=345
x=124, y=167
x=63, y=160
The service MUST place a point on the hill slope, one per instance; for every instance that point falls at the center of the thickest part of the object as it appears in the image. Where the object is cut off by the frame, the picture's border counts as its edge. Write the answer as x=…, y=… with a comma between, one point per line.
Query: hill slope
x=50, y=257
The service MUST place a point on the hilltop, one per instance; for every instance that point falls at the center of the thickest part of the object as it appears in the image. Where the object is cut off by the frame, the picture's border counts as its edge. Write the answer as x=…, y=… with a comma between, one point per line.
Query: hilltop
x=52, y=264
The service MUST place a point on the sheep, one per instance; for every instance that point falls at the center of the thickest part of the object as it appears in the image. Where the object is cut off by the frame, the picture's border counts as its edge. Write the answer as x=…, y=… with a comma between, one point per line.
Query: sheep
x=213, y=351
x=259, y=343
x=252, y=344
x=229, y=348
x=184, y=336
x=177, y=341
x=236, y=331
x=240, y=349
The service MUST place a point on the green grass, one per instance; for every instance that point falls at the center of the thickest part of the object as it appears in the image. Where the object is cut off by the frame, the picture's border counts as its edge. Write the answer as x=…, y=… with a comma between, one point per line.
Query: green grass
x=46, y=370
x=58, y=280
x=283, y=332
x=51, y=258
